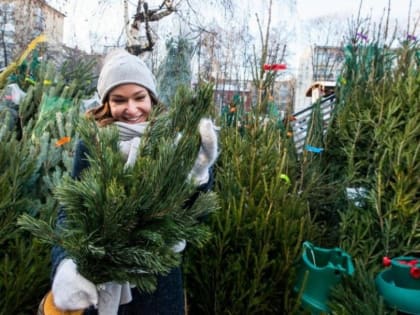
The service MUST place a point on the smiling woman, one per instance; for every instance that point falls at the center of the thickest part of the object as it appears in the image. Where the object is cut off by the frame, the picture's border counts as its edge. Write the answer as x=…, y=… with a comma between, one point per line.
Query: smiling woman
x=130, y=103
x=127, y=89
x=130, y=264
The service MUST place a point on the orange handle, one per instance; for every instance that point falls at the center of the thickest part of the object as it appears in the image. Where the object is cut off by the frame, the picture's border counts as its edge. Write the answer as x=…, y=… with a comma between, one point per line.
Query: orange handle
x=47, y=307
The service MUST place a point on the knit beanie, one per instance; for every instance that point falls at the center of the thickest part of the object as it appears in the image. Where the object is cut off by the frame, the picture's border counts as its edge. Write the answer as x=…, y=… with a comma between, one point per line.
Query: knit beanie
x=121, y=67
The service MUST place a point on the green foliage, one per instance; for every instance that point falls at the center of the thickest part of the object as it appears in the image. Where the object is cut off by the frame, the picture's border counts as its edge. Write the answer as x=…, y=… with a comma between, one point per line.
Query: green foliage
x=373, y=145
x=121, y=223
x=25, y=268
x=175, y=70
x=380, y=141
x=358, y=294
x=23, y=264
x=32, y=165
x=16, y=167
x=248, y=267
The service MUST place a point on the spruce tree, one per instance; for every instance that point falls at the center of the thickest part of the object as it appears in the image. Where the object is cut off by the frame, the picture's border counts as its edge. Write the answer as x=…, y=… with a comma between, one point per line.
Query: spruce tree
x=249, y=266
x=23, y=264
x=373, y=146
x=33, y=163
x=175, y=70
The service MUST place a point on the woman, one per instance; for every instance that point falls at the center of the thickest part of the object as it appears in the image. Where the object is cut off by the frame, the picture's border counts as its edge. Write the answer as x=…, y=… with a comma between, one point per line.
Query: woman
x=128, y=93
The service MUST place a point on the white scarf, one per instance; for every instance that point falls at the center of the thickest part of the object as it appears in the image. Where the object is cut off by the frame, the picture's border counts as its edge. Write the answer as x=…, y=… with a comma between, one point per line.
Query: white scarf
x=129, y=131
x=111, y=296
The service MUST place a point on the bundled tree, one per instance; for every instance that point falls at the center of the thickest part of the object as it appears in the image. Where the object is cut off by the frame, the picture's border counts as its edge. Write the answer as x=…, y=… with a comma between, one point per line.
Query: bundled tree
x=175, y=71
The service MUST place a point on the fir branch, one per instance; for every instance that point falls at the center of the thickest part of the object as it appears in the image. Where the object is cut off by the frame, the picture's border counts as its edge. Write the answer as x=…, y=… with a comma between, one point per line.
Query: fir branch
x=40, y=229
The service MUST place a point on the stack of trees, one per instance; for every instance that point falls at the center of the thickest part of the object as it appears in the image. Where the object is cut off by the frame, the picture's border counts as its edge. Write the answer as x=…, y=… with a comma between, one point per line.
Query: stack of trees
x=373, y=146
x=370, y=148
x=271, y=200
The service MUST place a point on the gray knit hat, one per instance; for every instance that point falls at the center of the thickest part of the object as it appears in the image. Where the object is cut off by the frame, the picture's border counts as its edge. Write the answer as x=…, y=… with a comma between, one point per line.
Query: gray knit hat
x=121, y=67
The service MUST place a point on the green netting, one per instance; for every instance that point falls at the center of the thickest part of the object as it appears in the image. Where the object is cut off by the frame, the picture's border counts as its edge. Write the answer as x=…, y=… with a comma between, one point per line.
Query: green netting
x=50, y=105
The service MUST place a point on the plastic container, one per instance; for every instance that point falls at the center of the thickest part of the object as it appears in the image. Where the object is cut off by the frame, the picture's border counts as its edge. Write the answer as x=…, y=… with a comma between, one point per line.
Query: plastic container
x=320, y=270
x=399, y=285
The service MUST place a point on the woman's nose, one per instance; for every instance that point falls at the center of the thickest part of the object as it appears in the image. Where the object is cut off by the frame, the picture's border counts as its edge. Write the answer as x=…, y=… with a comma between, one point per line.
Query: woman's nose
x=131, y=106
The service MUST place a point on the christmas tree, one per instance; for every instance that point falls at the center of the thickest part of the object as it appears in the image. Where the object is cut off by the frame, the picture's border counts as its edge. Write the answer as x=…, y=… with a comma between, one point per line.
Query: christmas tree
x=175, y=71
x=249, y=266
x=123, y=222
x=372, y=149
x=32, y=165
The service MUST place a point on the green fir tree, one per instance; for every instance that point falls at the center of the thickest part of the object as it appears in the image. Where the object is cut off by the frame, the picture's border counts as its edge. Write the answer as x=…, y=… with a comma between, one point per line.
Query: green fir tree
x=373, y=147
x=33, y=163
x=249, y=266
x=175, y=70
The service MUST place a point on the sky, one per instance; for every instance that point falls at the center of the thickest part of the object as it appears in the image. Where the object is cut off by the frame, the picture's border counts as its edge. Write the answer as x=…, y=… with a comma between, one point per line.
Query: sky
x=84, y=18
x=399, y=8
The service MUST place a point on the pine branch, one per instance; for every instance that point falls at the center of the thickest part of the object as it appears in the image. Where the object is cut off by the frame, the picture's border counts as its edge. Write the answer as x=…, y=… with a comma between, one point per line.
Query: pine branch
x=121, y=224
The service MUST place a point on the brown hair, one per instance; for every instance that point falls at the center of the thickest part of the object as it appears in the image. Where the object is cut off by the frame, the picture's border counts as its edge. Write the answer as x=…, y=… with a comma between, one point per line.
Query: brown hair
x=102, y=114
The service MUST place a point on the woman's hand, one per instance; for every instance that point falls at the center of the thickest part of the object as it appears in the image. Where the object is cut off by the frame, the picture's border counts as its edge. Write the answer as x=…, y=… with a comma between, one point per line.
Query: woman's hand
x=71, y=291
x=208, y=151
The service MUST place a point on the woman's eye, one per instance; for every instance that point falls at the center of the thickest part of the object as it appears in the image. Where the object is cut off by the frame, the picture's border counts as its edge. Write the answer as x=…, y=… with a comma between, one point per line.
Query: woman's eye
x=118, y=101
x=140, y=98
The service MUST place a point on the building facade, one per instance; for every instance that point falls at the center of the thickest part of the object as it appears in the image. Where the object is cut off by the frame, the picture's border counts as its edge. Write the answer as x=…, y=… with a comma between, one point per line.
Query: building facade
x=23, y=20
x=318, y=64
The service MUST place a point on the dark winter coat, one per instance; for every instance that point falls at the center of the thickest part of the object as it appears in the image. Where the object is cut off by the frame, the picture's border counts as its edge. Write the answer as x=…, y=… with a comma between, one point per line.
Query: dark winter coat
x=168, y=299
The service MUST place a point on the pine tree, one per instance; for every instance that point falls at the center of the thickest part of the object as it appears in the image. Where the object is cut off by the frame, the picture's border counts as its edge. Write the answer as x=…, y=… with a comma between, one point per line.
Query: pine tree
x=123, y=222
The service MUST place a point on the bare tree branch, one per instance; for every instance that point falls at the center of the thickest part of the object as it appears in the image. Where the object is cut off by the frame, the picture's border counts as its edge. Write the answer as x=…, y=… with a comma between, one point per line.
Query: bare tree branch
x=166, y=8
x=144, y=16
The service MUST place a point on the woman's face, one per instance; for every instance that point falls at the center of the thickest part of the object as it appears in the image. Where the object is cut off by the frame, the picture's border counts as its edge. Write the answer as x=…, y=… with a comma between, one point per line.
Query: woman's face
x=130, y=103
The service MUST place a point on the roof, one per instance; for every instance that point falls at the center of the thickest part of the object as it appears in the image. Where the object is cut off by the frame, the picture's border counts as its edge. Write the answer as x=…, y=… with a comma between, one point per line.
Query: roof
x=327, y=86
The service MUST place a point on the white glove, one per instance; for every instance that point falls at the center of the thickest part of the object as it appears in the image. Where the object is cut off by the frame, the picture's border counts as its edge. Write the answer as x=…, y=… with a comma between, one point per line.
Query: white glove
x=130, y=150
x=208, y=151
x=71, y=291
x=179, y=247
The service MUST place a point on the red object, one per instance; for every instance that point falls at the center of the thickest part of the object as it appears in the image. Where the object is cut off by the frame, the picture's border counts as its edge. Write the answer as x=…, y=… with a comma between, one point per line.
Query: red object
x=415, y=272
x=410, y=263
x=386, y=261
x=274, y=67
